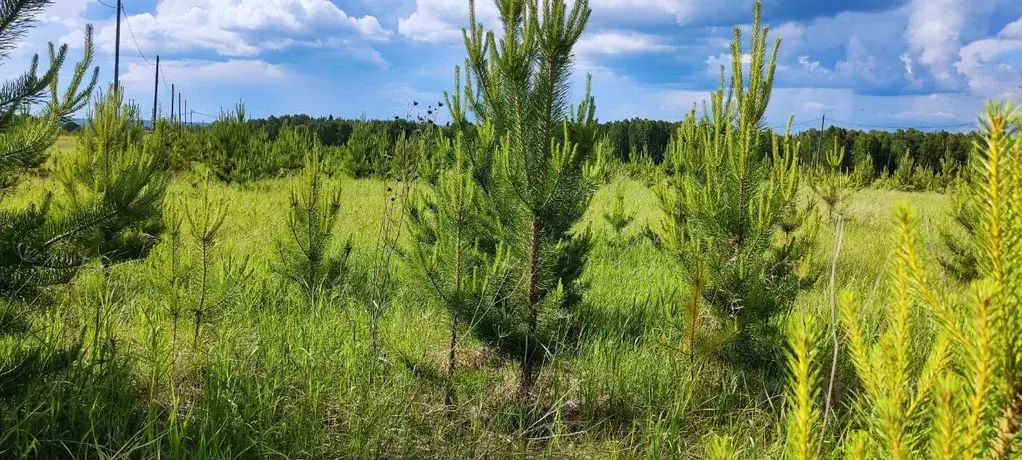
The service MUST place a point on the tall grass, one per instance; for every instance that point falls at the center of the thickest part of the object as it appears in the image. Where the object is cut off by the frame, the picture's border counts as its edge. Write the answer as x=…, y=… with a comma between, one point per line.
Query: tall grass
x=270, y=379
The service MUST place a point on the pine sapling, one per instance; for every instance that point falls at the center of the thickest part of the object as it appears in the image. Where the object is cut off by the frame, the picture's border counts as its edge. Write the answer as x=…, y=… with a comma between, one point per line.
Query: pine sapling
x=205, y=226
x=736, y=211
x=304, y=252
x=536, y=182
x=112, y=172
x=446, y=228
x=834, y=188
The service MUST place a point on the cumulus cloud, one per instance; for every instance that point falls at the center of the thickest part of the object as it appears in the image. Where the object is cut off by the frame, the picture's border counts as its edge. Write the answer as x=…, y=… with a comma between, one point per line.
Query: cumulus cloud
x=245, y=28
x=438, y=21
x=934, y=28
x=1013, y=30
x=987, y=77
x=197, y=72
x=808, y=65
x=616, y=42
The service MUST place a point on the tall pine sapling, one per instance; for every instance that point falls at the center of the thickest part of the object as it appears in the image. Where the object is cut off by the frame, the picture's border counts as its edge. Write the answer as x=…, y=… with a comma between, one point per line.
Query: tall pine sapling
x=112, y=173
x=941, y=376
x=960, y=255
x=536, y=184
x=446, y=228
x=305, y=257
x=732, y=217
x=211, y=287
x=834, y=187
x=34, y=249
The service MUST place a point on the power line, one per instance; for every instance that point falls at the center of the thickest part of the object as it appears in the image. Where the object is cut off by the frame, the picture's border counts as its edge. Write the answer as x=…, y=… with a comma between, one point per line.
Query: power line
x=132, y=33
x=864, y=125
x=101, y=2
x=164, y=80
x=795, y=124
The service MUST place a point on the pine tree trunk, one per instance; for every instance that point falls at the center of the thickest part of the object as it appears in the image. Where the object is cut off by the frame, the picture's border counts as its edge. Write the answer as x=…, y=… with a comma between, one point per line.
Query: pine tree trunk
x=527, y=376
x=452, y=398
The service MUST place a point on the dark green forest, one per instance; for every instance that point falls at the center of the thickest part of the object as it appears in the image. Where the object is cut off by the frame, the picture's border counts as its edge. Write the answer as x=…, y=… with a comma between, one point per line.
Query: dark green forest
x=639, y=136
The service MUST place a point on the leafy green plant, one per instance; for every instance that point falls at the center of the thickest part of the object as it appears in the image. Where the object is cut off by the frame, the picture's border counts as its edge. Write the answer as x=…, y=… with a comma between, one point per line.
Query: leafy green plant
x=732, y=217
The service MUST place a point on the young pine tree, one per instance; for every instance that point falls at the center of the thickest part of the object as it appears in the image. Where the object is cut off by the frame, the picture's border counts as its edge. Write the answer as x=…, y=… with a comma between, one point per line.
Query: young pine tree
x=34, y=249
x=211, y=284
x=446, y=228
x=305, y=257
x=942, y=378
x=833, y=187
x=238, y=151
x=536, y=182
x=366, y=151
x=732, y=219
x=112, y=173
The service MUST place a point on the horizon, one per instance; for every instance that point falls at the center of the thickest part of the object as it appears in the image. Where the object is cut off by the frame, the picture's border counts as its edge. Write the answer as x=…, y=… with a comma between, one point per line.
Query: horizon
x=880, y=64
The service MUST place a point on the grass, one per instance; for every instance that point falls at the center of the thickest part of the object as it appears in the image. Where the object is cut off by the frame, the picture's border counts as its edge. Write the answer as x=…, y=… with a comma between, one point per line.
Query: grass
x=269, y=378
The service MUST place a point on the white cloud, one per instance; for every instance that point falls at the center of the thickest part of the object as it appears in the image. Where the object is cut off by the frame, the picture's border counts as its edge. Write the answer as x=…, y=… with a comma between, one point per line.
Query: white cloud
x=814, y=105
x=917, y=115
x=619, y=42
x=1013, y=30
x=682, y=11
x=987, y=78
x=811, y=66
x=858, y=63
x=713, y=63
x=934, y=30
x=240, y=28
x=907, y=60
x=438, y=21
x=196, y=73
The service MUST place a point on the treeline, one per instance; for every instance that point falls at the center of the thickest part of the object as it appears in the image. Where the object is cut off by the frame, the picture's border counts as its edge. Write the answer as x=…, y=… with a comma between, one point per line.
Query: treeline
x=641, y=138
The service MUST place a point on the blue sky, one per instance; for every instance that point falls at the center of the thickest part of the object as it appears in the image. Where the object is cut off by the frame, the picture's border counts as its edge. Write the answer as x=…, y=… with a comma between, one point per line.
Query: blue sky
x=889, y=63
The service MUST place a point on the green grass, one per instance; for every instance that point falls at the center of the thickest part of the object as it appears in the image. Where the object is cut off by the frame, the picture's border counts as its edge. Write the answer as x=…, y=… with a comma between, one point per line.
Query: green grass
x=267, y=378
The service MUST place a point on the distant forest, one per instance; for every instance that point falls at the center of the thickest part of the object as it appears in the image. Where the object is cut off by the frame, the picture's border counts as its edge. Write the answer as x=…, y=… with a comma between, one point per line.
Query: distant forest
x=641, y=136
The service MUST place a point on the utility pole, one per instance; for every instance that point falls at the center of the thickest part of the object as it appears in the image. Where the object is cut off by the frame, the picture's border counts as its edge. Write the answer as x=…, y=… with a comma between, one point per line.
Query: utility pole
x=171, y=102
x=819, y=142
x=117, y=50
x=156, y=90
x=180, y=108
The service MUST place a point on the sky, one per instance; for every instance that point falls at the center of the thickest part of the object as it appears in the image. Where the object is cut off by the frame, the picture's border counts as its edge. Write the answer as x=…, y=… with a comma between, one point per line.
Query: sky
x=862, y=63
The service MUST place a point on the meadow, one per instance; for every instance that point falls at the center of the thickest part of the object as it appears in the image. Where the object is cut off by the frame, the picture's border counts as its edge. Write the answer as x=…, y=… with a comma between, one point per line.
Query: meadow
x=267, y=377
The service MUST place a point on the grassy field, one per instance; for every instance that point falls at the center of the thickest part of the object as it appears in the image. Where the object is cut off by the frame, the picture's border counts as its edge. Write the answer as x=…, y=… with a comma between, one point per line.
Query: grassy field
x=267, y=378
